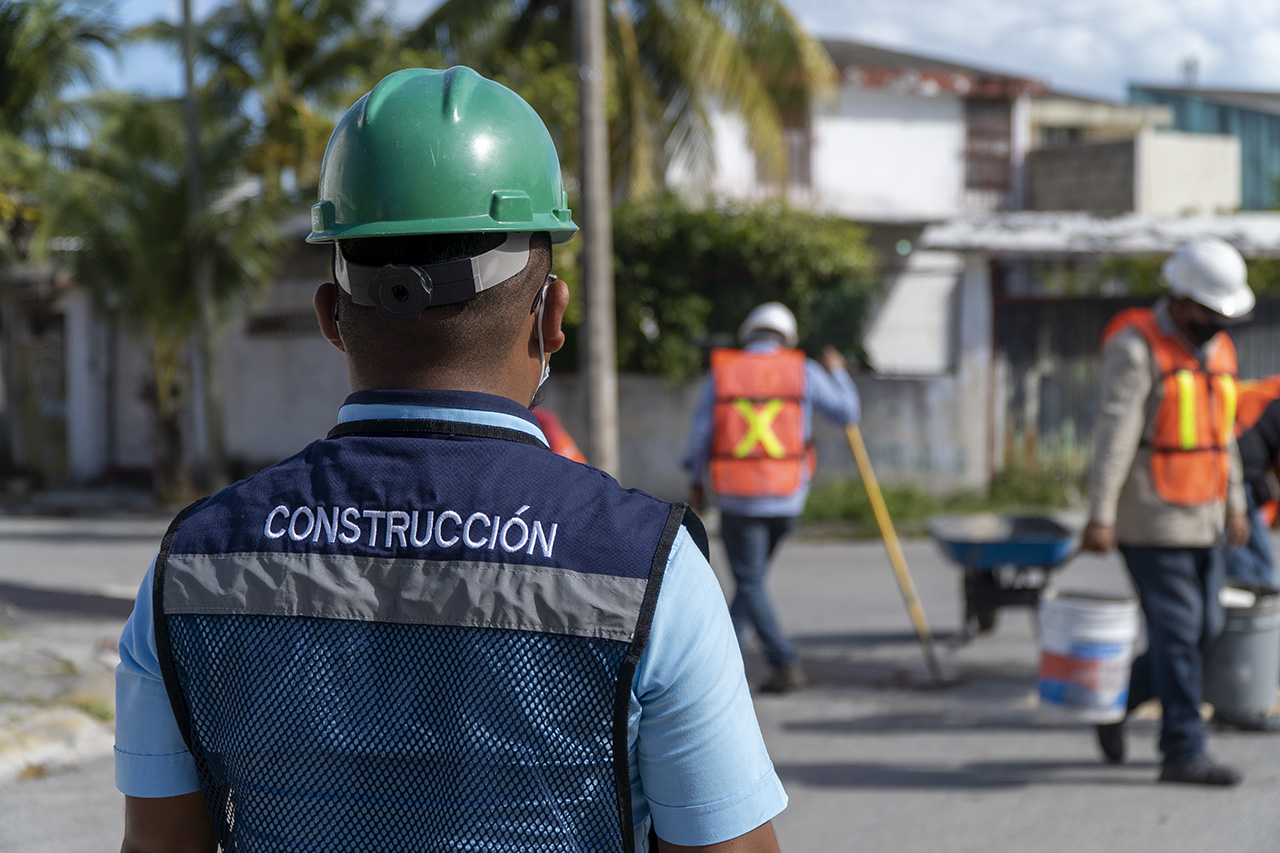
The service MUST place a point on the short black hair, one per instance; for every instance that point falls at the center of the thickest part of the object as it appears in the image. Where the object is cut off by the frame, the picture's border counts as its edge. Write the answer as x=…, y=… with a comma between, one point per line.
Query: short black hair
x=463, y=335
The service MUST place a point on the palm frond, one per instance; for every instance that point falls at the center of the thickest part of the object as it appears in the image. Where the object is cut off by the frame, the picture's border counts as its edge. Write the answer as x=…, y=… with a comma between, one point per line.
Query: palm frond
x=467, y=31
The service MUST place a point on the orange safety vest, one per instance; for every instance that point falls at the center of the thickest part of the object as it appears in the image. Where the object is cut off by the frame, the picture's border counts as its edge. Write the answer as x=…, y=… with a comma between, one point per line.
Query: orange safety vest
x=1255, y=396
x=758, y=446
x=1193, y=427
x=557, y=436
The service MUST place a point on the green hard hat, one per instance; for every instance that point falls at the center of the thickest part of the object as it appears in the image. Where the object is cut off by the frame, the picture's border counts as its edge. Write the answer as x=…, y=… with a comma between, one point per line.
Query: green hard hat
x=439, y=152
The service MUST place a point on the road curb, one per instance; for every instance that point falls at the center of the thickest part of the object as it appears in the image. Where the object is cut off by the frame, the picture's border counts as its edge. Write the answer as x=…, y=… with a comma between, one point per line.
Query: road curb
x=34, y=743
x=104, y=601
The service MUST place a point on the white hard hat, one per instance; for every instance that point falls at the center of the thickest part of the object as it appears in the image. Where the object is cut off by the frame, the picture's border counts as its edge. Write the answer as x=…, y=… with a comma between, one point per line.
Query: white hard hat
x=771, y=316
x=1211, y=272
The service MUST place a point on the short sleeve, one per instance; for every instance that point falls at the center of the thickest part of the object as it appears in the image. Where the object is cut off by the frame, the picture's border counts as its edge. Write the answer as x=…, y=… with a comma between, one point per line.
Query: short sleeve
x=152, y=760
x=704, y=775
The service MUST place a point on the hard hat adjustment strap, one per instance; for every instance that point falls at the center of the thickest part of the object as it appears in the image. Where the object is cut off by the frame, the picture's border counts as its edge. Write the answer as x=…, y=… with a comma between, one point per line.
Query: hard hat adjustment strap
x=400, y=292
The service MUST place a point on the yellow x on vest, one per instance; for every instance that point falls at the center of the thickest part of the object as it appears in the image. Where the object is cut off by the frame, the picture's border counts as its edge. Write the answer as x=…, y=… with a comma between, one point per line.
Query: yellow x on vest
x=760, y=428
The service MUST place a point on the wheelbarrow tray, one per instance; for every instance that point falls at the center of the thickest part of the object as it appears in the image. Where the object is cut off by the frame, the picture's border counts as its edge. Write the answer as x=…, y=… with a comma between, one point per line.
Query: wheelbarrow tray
x=986, y=542
x=1007, y=560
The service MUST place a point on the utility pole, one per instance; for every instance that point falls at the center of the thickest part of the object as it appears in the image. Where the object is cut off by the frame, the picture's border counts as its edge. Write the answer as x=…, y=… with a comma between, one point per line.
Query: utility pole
x=209, y=418
x=600, y=352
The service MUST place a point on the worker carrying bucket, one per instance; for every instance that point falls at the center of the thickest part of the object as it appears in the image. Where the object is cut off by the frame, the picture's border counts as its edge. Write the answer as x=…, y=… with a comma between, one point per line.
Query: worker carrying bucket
x=1165, y=481
x=752, y=440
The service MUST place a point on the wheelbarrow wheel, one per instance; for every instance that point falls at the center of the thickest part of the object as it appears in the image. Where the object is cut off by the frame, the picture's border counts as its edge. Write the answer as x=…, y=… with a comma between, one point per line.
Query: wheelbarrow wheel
x=986, y=620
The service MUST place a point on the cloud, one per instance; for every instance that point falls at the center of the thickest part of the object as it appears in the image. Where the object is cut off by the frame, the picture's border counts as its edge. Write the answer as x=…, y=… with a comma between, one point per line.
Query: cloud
x=1090, y=46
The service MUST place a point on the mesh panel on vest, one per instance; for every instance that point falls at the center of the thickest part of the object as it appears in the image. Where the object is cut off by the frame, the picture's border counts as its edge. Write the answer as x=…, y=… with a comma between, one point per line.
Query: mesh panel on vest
x=400, y=737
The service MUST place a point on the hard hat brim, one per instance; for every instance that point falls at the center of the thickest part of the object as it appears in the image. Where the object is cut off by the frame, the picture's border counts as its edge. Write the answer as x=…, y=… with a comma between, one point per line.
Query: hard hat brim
x=561, y=230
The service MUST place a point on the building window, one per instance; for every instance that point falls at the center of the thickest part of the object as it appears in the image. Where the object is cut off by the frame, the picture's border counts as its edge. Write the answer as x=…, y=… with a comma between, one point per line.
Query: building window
x=1052, y=137
x=797, y=137
x=988, y=144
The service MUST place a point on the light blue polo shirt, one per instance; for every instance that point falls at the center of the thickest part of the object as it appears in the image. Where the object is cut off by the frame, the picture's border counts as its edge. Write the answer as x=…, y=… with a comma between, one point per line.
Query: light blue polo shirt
x=699, y=768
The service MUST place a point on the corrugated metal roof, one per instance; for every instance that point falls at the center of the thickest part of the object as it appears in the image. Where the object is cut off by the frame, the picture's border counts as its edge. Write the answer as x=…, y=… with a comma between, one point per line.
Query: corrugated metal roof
x=1029, y=234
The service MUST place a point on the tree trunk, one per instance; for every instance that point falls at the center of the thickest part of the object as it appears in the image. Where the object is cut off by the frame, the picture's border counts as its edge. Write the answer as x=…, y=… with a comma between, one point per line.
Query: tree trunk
x=171, y=475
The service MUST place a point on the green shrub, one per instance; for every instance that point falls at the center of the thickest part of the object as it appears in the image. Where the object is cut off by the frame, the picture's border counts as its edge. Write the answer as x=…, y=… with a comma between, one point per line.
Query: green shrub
x=844, y=507
x=685, y=277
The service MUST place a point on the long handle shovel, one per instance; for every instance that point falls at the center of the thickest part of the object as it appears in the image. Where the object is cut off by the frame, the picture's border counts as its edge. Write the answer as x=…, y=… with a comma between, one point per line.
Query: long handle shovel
x=894, y=548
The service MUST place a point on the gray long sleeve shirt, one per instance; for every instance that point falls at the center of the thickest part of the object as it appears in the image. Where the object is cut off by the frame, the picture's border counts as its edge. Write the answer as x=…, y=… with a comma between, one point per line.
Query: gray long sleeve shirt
x=1121, y=490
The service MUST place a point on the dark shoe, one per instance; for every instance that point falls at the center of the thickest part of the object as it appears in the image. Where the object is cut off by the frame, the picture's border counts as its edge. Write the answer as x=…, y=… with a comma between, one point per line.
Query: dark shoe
x=1258, y=723
x=1200, y=771
x=1111, y=741
x=784, y=679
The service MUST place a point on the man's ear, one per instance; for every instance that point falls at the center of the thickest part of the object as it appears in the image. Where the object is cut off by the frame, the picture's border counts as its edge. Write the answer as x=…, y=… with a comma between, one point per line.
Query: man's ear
x=557, y=303
x=326, y=305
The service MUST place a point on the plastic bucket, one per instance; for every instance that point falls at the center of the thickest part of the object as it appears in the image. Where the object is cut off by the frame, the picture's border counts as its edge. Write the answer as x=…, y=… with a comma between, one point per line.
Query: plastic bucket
x=1086, y=649
x=1243, y=665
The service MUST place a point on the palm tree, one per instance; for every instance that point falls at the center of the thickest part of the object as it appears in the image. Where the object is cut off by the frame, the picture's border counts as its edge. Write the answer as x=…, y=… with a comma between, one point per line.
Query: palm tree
x=125, y=197
x=670, y=63
x=46, y=48
x=286, y=65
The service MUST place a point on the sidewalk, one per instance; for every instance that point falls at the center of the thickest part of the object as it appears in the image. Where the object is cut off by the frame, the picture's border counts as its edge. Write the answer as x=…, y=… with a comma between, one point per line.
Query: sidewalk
x=67, y=584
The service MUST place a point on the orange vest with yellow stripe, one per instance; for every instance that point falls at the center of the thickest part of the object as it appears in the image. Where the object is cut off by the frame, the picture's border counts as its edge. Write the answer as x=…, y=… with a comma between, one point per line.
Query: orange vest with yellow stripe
x=1190, y=465
x=758, y=446
x=1255, y=395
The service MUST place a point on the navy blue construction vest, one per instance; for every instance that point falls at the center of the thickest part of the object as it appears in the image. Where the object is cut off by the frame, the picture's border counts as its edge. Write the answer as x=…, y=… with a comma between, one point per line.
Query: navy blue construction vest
x=413, y=636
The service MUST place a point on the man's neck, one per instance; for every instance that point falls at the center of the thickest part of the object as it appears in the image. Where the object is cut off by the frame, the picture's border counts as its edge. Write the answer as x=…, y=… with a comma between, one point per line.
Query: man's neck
x=518, y=392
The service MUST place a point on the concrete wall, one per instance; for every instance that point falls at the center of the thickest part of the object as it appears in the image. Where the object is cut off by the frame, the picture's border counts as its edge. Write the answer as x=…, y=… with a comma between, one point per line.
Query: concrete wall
x=281, y=392
x=896, y=156
x=1096, y=178
x=1020, y=145
x=1158, y=173
x=913, y=330
x=1181, y=173
x=88, y=378
x=919, y=431
x=875, y=156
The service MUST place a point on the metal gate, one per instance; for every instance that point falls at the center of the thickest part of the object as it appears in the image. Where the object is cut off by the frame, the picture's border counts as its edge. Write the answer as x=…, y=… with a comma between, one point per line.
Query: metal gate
x=1045, y=373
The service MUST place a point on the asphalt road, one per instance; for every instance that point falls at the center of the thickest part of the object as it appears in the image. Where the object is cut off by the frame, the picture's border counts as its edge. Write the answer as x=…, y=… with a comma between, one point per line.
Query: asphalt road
x=874, y=755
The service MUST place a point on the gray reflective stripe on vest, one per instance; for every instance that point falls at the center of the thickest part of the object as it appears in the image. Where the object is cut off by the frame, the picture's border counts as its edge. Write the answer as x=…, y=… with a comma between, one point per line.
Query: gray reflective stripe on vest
x=415, y=592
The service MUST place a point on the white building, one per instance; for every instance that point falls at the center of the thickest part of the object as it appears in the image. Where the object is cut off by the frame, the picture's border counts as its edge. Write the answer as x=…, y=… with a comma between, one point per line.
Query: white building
x=1109, y=158
x=906, y=138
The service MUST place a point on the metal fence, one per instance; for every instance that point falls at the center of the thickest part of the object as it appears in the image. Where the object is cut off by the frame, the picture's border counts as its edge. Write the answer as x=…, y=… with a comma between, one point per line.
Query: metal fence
x=1045, y=370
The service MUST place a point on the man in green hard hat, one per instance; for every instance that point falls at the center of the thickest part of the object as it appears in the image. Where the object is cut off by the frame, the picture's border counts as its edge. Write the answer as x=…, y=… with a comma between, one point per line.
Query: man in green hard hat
x=427, y=631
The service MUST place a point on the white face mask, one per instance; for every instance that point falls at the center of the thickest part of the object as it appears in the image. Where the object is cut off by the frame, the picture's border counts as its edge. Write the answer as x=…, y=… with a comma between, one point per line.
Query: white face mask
x=542, y=353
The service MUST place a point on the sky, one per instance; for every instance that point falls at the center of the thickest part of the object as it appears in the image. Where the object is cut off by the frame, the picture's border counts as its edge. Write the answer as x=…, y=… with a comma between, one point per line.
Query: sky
x=1086, y=47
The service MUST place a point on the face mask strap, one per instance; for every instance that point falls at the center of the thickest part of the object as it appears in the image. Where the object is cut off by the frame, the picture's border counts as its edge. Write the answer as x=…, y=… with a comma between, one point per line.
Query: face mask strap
x=542, y=352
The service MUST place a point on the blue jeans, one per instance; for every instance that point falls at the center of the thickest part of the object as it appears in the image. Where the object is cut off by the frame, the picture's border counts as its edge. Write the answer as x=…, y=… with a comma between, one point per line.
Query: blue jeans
x=750, y=543
x=1253, y=564
x=1178, y=590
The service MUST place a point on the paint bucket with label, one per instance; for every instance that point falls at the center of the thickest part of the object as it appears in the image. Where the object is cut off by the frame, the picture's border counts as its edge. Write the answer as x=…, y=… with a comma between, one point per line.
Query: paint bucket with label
x=1086, y=648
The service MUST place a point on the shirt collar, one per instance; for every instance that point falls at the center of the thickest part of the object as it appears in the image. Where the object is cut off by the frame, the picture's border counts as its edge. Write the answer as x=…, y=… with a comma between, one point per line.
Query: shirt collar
x=469, y=407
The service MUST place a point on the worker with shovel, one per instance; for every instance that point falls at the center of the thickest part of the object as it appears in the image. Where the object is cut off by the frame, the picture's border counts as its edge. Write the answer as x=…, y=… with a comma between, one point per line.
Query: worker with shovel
x=752, y=437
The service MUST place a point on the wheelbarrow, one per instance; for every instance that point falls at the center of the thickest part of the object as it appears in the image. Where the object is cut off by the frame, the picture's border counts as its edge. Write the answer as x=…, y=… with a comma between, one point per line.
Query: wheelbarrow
x=1007, y=560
